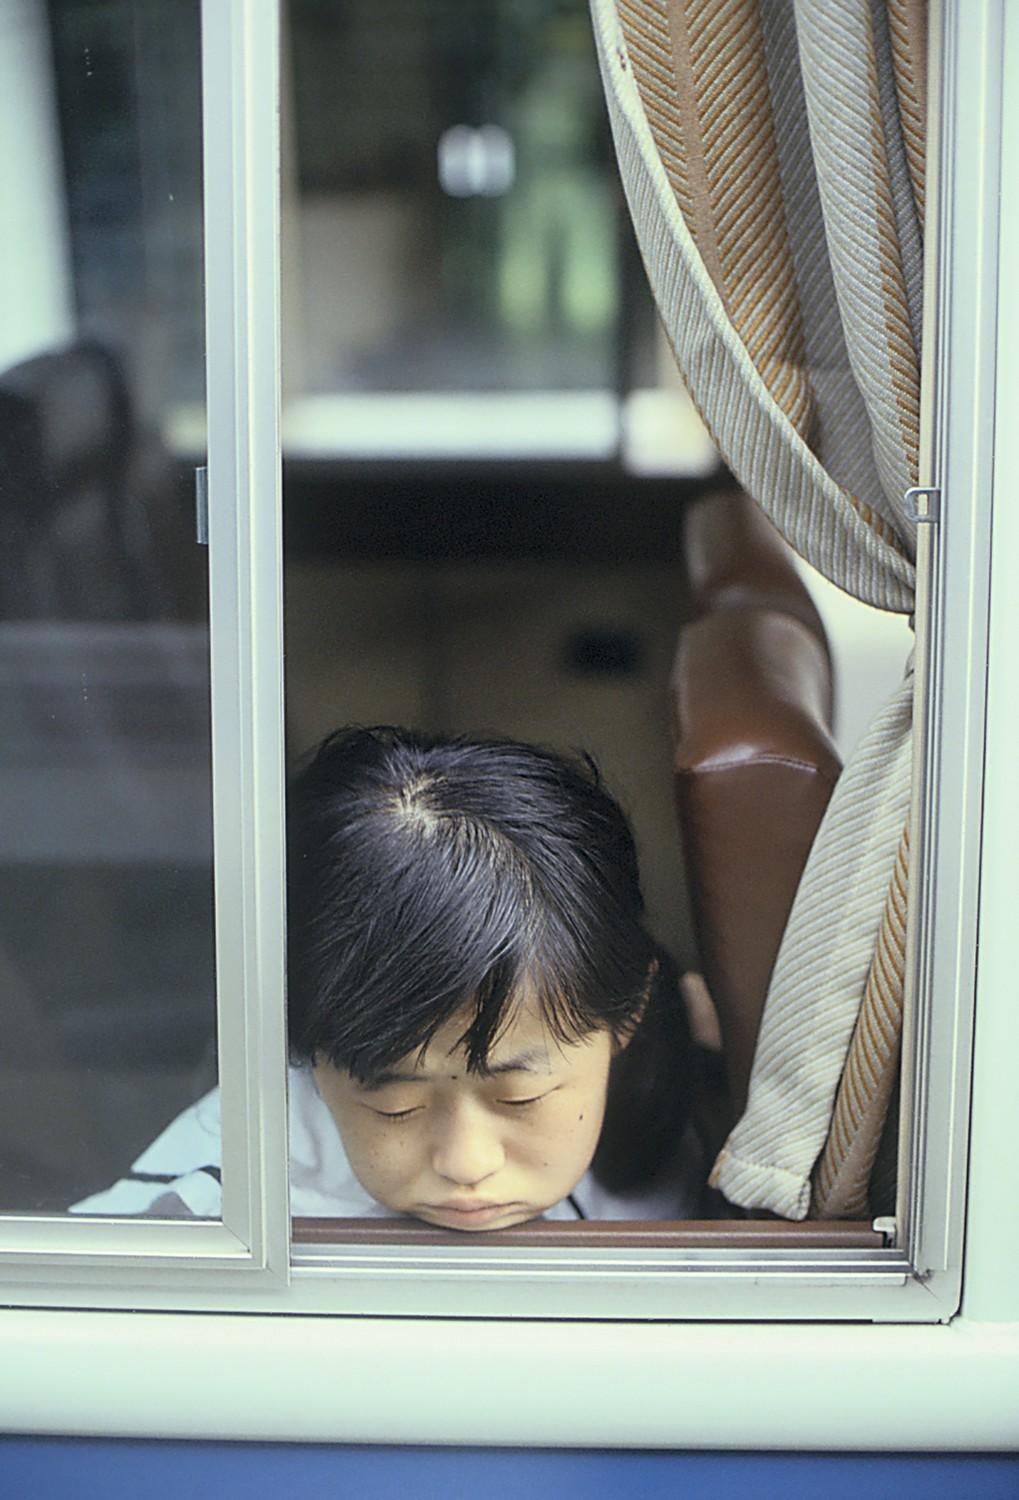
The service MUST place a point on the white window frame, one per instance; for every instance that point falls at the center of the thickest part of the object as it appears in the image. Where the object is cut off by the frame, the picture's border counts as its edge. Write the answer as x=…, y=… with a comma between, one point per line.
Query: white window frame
x=249, y=1246
x=724, y=1356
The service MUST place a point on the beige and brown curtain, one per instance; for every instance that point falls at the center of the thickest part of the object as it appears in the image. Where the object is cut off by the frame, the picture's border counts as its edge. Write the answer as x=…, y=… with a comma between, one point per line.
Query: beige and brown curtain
x=772, y=153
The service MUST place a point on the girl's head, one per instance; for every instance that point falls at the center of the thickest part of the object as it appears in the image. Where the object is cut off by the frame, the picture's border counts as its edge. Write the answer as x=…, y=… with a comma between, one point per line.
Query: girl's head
x=468, y=959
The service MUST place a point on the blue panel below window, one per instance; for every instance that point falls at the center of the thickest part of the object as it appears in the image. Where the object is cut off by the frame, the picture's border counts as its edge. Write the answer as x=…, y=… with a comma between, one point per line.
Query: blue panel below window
x=96, y=1469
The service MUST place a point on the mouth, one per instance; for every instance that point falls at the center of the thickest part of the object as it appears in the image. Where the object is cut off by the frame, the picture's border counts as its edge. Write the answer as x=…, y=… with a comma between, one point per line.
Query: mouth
x=467, y=1215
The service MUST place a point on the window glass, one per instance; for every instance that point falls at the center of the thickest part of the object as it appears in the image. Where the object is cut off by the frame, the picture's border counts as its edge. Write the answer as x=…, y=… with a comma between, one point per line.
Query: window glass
x=485, y=449
x=455, y=226
x=106, y=936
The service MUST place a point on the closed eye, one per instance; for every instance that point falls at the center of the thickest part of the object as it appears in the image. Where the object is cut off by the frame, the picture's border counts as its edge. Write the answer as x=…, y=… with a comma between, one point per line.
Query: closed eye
x=395, y=1114
x=522, y=1103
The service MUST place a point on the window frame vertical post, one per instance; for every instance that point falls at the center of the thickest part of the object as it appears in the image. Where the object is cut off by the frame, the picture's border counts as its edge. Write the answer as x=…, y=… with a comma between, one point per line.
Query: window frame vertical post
x=240, y=93
x=991, y=1291
x=964, y=156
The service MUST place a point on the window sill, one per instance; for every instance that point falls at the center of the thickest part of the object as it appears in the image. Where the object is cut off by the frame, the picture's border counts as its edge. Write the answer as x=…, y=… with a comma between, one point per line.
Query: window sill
x=686, y=1234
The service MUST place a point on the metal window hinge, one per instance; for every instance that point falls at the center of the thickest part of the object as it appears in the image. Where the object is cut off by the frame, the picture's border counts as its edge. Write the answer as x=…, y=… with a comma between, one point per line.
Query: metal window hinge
x=886, y=1226
x=923, y=503
x=202, y=506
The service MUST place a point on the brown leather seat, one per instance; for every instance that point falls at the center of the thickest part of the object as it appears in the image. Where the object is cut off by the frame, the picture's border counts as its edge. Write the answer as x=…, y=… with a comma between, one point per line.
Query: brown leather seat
x=736, y=559
x=754, y=762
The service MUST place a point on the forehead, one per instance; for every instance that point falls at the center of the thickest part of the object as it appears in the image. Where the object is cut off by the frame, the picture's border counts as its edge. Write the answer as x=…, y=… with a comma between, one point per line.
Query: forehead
x=524, y=1044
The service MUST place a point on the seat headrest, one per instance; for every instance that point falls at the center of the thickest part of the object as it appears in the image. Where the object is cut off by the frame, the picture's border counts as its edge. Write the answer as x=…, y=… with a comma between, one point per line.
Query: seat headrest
x=736, y=559
x=74, y=409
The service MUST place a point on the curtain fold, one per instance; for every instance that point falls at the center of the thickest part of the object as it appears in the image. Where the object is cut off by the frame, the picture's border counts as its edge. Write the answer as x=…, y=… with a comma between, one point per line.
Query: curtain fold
x=772, y=156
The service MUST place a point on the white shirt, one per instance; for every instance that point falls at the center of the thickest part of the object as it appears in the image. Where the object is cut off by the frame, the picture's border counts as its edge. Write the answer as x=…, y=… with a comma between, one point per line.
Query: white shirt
x=179, y=1174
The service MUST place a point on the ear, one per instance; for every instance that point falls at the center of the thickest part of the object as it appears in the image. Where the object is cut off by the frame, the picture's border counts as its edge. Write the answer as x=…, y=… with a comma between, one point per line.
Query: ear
x=625, y=1034
x=701, y=1013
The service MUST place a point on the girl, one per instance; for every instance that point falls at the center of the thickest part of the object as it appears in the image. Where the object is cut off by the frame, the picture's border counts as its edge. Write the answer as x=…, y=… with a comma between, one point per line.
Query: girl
x=482, y=1031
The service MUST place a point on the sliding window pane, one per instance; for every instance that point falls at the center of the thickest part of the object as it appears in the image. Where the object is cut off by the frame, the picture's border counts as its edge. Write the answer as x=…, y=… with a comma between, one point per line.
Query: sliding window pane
x=107, y=978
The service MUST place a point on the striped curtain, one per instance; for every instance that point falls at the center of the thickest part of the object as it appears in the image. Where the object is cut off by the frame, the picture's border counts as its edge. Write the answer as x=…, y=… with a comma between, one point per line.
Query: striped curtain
x=772, y=153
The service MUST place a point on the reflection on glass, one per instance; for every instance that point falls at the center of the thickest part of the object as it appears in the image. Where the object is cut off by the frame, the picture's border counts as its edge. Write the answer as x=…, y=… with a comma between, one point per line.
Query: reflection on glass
x=455, y=225
x=460, y=281
x=106, y=955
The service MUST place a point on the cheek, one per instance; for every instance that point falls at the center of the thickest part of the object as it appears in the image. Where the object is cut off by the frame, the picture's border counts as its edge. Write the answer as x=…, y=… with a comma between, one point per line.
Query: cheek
x=564, y=1140
x=377, y=1152
x=588, y=1123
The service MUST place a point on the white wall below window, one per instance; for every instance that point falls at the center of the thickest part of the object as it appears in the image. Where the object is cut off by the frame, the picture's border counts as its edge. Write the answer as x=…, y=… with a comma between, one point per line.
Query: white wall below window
x=591, y=1385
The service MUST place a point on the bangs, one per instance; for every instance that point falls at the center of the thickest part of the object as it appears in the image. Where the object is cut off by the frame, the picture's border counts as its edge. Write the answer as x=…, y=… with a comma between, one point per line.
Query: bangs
x=497, y=1000
x=489, y=1009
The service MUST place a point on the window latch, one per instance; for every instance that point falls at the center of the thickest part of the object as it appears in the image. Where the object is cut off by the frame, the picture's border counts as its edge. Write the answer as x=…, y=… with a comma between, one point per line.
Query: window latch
x=202, y=506
x=923, y=503
x=887, y=1227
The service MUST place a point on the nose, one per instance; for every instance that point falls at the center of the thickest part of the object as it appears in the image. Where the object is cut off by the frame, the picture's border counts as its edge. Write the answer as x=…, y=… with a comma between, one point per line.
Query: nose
x=468, y=1149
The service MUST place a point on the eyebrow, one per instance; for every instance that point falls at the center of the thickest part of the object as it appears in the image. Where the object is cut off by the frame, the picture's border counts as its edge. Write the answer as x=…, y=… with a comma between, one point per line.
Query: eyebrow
x=533, y=1060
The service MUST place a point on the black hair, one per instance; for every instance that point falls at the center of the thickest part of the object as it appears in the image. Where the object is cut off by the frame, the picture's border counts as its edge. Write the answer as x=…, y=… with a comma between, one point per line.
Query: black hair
x=433, y=877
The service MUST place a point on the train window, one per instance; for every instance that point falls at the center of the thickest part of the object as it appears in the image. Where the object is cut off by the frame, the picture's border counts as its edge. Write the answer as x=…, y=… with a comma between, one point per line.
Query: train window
x=106, y=942
x=121, y=951
x=424, y=341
